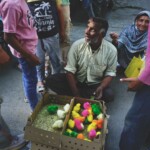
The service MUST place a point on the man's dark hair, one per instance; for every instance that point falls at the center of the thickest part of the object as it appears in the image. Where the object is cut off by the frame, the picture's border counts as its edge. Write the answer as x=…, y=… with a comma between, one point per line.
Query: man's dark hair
x=102, y=24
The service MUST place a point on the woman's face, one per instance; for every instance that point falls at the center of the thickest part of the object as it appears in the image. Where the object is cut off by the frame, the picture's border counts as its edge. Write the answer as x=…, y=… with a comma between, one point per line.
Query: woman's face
x=142, y=23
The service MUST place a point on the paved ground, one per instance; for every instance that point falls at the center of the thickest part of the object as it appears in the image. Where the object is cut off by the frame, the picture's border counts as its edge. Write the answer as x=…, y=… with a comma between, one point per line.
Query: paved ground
x=15, y=111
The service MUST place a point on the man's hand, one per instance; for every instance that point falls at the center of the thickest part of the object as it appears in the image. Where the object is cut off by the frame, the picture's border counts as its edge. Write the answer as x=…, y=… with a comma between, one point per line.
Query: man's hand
x=98, y=93
x=104, y=84
x=133, y=83
x=32, y=59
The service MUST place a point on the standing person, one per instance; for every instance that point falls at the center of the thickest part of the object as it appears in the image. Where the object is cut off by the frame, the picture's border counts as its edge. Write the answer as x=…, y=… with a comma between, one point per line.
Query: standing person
x=132, y=41
x=88, y=6
x=7, y=140
x=20, y=34
x=49, y=21
x=91, y=65
x=137, y=122
x=65, y=44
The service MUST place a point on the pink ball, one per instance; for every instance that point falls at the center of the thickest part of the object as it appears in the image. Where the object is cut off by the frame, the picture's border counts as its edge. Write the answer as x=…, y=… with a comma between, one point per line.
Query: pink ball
x=78, y=124
x=92, y=134
x=86, y=105
x=85, y=113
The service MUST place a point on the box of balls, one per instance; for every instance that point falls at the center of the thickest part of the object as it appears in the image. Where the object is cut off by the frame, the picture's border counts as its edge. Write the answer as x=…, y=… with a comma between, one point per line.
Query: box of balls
x=64, y=122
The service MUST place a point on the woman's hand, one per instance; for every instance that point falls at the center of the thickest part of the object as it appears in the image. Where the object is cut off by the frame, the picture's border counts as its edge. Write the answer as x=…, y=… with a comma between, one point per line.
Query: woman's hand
x=134, y=84
x=114, y=36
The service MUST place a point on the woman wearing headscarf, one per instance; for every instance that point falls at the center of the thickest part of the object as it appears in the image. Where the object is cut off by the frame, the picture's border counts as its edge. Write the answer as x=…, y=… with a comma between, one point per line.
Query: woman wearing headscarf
x=132, y=41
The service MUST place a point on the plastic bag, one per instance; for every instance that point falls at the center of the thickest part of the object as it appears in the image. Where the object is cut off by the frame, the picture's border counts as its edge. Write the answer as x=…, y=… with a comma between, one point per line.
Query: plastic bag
x=134, y=68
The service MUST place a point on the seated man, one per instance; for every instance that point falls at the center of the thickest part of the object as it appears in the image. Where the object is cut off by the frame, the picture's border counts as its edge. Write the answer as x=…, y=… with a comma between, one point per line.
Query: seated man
x=91, y=65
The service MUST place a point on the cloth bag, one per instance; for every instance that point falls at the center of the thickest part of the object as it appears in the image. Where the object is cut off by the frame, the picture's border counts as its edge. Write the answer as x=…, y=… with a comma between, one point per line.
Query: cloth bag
x=135, y=67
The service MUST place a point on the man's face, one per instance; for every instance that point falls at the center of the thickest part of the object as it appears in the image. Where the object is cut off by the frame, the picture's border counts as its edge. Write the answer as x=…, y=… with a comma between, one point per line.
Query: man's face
x=92, y=33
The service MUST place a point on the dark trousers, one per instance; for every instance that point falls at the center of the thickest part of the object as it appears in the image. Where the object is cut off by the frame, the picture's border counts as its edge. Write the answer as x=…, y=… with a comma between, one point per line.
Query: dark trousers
x=137, y=122
x=59, y=84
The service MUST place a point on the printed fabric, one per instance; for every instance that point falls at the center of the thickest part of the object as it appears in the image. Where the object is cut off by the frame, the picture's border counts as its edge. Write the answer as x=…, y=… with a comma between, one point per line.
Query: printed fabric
x=45, y=16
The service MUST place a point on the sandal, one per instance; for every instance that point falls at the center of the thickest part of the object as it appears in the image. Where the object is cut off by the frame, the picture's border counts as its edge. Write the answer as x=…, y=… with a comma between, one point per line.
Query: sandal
x=40, y=88
x=26, y=100
x=16, y=143
x=46, y=73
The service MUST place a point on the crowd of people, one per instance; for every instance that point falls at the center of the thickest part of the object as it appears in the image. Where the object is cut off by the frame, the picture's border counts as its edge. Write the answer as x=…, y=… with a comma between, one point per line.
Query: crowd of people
x=35, y=28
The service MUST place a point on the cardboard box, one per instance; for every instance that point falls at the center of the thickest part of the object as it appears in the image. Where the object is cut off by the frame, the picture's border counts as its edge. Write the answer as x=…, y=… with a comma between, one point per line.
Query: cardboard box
x=46, y=140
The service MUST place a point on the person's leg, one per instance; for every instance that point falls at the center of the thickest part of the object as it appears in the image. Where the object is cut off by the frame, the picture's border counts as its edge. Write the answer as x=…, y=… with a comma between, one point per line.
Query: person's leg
x=5, y=135
x=90, y=11
x=7, y=140
x=85, y=90
x=16, y=143
x=65, y=50
x=65, y=45
x=29, y=82
x=108, y=95
x=137, y=122
x=67, y=20
x=40, y=52
x=87, y=4
x=52, y=47
x=13, y=142
x=124, y=56
x=58, y=83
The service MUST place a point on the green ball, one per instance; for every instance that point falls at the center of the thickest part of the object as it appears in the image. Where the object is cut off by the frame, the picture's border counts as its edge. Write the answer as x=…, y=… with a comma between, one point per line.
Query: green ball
x=96, y=109
x=66, y=133
x=52, y=109
x=74, y=134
